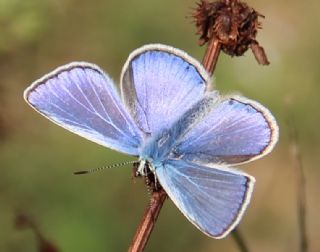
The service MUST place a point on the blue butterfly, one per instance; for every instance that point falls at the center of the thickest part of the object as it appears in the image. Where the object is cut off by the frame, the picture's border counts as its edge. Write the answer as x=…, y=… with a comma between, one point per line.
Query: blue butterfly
x=185, y=134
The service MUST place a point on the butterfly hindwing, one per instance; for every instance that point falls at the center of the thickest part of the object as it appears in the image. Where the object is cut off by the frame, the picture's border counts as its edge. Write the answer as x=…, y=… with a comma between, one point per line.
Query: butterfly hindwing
x=82, y=99
x=231, y=130
x=213, y=199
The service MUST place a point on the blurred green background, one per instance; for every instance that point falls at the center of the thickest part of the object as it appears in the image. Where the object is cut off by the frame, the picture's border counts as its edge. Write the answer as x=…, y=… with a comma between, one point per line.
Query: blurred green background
x=100, y=212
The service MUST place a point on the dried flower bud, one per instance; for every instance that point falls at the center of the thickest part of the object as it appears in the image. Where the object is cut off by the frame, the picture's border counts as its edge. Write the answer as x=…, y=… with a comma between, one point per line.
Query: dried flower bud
x=233, y=23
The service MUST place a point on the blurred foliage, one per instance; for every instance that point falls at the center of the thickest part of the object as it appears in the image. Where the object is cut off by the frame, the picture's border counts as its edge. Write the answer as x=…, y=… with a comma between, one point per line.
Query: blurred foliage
x=22, y=23
x=100, y=212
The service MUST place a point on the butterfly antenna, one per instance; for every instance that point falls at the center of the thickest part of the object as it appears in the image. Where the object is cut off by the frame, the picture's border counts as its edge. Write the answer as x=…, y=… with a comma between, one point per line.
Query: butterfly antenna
x=104, y=167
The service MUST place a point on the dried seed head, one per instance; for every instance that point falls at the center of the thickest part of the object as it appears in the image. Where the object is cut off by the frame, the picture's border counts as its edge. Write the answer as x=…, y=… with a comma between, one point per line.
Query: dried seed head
x=233, y=23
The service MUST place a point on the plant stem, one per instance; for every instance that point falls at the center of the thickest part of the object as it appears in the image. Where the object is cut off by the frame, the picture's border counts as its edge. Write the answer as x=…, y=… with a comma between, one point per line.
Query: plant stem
x=301, y=185
x=211, y=56
x=158, y=198
x=209, y=62
x=237, y=236
x=148, y=221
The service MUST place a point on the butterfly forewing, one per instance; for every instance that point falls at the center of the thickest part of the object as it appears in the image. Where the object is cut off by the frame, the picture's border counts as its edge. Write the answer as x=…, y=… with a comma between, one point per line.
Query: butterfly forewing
x=159, y=83
x=82, y=99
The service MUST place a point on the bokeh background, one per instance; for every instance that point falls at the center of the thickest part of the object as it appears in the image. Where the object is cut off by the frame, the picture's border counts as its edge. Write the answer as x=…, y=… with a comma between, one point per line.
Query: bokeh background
x=100, y=212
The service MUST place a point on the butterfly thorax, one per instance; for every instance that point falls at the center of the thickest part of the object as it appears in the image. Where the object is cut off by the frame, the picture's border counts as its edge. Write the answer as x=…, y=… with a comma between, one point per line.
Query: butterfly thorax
x=158, y=148
x=153, y=154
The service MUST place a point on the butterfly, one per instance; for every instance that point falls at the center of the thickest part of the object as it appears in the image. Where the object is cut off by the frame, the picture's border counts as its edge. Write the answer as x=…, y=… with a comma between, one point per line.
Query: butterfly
x=184, y=133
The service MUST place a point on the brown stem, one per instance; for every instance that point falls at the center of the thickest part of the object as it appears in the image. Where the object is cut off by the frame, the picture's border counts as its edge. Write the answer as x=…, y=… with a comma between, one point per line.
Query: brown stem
x=24, y=221
x=237, y=236
x=301, y=184
x=150, y=216
x=148, y=221
x=209, y=62
x=158, y=198
x=211, y=56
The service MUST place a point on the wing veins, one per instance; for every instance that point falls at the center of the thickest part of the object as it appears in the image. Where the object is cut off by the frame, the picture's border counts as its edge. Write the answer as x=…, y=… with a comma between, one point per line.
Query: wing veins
x=92, y=112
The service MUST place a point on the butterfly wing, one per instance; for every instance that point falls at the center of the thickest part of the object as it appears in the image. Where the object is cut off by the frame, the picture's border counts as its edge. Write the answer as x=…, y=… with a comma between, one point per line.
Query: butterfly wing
x=159, y=83
x=229, y=130
x=82, y=99
x=213, y=199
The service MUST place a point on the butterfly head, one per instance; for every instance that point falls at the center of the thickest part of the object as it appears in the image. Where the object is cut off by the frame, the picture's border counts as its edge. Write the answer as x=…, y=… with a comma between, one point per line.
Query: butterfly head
x=147, y=170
